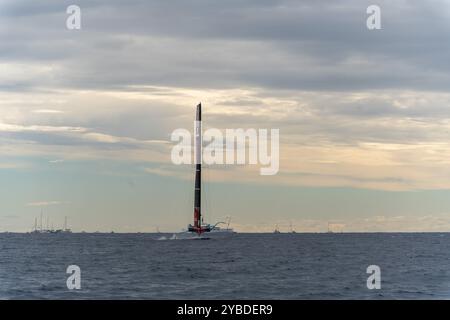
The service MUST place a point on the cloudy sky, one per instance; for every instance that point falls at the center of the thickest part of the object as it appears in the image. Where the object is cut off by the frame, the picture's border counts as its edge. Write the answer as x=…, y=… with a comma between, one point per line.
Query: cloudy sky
x=364, y=115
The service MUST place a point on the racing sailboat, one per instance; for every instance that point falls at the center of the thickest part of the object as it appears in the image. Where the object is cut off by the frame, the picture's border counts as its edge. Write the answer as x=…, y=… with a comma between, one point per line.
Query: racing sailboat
x=199, y=229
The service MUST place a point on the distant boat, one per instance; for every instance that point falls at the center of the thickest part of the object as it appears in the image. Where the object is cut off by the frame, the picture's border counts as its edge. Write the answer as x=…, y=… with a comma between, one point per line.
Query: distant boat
x=292, y=228
x=219, y=230
x=66, y=230
x=329, y=229
x=276, y=229
x=35, y=229
x=199, y=229
x=40, y=229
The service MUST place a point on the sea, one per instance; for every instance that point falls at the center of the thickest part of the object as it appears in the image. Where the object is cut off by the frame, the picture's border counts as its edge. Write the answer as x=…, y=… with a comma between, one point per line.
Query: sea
x=244, y=266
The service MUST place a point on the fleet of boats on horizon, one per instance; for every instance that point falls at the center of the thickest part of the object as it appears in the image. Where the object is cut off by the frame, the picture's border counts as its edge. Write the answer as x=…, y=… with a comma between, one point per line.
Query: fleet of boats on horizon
x=40, y=229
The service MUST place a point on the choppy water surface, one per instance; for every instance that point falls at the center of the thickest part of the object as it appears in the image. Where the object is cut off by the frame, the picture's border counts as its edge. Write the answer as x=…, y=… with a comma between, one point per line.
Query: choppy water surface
x=247, y=266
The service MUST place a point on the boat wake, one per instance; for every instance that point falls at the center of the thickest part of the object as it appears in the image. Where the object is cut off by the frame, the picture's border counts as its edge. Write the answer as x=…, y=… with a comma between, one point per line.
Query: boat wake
x=184, y=236
x=173, y=237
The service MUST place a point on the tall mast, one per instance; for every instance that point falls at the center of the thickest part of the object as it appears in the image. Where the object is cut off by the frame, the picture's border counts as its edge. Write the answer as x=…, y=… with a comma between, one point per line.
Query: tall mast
x=198, y=169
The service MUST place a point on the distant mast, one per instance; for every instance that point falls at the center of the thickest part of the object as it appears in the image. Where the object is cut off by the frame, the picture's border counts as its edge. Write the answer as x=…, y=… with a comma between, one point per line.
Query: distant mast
x=198, y=170
x=198, y=226
x=41, y=221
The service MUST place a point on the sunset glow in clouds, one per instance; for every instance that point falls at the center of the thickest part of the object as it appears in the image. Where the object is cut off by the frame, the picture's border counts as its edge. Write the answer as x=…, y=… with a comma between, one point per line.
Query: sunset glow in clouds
x=364, y=115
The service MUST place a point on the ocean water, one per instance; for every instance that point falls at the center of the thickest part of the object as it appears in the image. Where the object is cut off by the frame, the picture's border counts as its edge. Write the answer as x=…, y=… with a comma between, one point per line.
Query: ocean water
x=246, y=266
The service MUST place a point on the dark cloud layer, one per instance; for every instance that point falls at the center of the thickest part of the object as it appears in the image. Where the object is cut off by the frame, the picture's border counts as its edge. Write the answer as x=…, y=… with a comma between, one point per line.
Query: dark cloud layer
x=301, y=45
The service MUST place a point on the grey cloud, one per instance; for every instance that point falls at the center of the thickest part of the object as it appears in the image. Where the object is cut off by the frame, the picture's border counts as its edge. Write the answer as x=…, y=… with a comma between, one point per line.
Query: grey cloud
x=280, y=47
x=301, y=45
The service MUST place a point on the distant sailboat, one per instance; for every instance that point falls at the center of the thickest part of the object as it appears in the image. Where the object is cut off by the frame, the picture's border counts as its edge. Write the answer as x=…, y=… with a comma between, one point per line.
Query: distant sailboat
x=35, y=228
x=49, y=230
x=276, y=229
x=39, y=229
x=66, y=229
x=291, y=227
x=199, y=229
x=329, y=229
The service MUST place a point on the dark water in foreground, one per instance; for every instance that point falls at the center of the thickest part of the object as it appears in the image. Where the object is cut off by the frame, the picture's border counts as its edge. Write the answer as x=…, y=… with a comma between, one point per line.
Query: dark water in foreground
x=247, y=266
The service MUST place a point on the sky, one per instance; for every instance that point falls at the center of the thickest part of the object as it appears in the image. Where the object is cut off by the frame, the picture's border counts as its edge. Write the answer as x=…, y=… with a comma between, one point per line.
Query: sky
x=364, y=115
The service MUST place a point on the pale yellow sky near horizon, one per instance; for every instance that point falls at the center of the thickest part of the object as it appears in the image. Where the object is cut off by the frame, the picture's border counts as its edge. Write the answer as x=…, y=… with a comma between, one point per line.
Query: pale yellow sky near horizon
x=86, y=115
